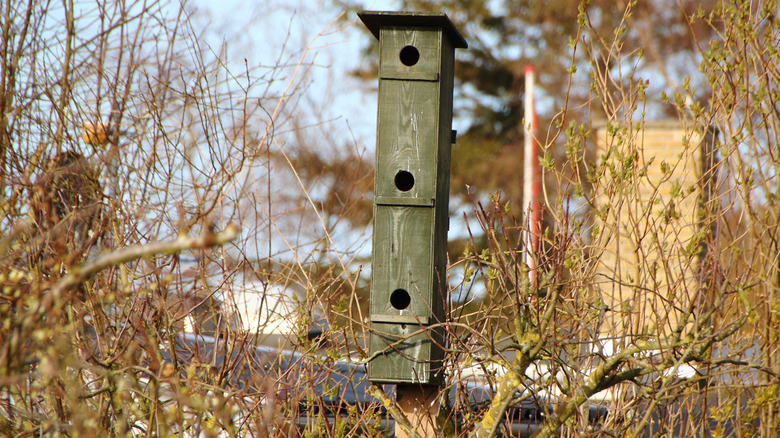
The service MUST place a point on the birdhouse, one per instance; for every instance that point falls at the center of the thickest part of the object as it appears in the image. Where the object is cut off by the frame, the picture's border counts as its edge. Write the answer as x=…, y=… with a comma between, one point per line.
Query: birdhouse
x=411, y=194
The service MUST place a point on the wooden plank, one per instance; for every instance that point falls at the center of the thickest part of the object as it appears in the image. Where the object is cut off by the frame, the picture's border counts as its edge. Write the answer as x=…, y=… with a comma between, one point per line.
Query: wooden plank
x=408, y=138
x=400, y=319
x=426, y=41
x=403, y=259
x=403, y=75
x=405, y=353
x=375, y=20
x=405, y=201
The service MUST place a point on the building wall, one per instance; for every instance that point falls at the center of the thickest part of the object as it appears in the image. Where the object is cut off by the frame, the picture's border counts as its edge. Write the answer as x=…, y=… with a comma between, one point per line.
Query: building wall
x=653, y=202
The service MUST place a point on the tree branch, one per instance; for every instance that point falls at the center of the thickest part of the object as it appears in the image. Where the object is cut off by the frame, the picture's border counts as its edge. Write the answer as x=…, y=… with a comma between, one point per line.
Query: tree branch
x=124, y=255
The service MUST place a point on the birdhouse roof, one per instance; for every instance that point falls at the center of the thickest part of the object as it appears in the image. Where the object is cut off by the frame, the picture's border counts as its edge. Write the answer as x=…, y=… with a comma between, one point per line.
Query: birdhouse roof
x=374, y=20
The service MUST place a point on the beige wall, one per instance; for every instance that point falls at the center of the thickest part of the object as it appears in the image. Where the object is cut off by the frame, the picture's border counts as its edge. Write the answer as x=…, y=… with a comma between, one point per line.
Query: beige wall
x=652, y=225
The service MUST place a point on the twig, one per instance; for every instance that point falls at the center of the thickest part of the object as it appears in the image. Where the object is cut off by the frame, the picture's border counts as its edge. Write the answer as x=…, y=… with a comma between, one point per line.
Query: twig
x=398, y=415
x=124, y=255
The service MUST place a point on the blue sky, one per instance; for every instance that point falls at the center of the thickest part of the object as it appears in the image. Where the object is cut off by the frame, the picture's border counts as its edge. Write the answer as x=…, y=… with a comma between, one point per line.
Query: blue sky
x=303, y=30
x=299, y=30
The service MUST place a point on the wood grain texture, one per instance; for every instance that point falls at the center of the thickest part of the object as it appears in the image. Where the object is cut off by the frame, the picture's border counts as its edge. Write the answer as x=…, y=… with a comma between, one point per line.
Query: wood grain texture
x=411, y=192
x=427, y=41
x=403, y=258
x=407, y=353
x=407, y=137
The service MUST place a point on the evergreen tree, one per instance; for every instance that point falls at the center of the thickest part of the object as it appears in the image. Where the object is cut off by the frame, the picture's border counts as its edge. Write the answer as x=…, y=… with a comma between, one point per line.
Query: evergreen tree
x=556, y=38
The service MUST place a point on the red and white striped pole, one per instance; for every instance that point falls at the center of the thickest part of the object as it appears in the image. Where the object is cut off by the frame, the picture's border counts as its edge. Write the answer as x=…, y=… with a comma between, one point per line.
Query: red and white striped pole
x=531, y=179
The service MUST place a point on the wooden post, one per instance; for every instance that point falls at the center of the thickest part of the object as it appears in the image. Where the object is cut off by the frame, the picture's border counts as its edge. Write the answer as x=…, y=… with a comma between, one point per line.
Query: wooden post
x=420, y=405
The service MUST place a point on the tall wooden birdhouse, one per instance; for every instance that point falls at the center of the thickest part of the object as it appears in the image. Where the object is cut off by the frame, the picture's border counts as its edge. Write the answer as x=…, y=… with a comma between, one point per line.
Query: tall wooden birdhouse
x=411, y=194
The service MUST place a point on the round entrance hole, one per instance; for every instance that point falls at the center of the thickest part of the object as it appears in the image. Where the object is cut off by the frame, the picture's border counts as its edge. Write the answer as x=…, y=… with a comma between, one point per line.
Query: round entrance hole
x=409, y=56
x=400, y=299
x=404, y=180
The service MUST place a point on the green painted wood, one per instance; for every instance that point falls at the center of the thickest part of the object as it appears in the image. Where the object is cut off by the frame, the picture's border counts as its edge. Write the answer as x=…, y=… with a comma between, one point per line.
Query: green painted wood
x=407, y=137
x=403, y=260
x=400, y=319
x=375, y=20
x=411, y=193
x=407, y=201
x=404, y=75
x=426, y=41
x=444, y=126
x=406, y=353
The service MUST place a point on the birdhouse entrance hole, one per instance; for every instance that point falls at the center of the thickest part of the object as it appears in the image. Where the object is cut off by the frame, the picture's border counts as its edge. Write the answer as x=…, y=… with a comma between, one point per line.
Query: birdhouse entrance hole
x=404, y=180
x=409, y=56
x=400, y=299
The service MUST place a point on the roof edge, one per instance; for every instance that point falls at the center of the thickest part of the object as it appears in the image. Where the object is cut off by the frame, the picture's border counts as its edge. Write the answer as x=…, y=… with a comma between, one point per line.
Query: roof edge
x=375, y=20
